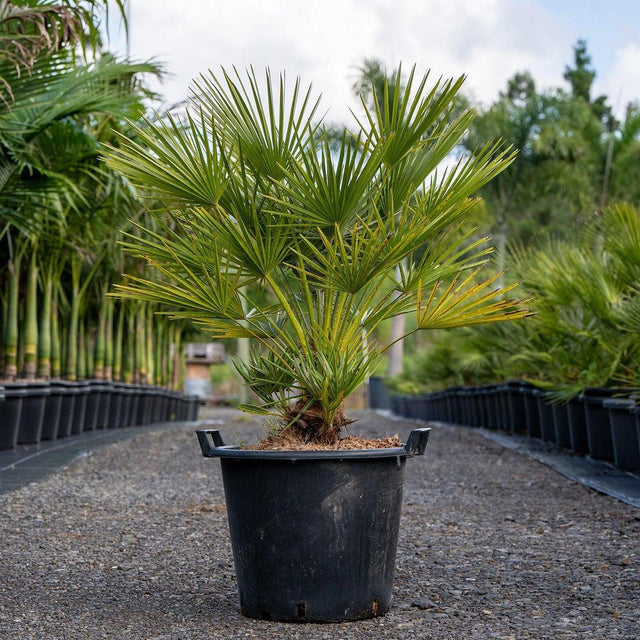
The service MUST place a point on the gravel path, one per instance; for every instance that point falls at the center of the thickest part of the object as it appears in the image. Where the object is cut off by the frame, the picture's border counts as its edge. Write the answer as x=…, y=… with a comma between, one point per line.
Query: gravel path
x=131, y=543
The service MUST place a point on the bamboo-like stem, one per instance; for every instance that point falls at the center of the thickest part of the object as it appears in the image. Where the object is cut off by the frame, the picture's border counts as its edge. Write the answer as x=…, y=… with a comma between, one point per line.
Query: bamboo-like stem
x=180, y=359
x=56, y=340
x=159, y=351
x=148, y=346
x=141, y=370
x=98, y=364
x=129, y=363
x=82, y=351
x=11, y=333
x=71, y=360
x=31, y=321
x=173, y=363
x=118, y=344
x=71, y=364
x=44, y=334
x=108, y=336
x=90, y=347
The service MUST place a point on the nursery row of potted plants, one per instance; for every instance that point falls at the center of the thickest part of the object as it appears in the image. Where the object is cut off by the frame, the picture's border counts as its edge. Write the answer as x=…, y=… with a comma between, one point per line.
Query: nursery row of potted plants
x=35, y=411
x=600, y=422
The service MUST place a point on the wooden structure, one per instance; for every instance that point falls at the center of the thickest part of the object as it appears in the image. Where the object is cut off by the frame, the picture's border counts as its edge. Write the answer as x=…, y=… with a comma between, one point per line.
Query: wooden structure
x=199, y=358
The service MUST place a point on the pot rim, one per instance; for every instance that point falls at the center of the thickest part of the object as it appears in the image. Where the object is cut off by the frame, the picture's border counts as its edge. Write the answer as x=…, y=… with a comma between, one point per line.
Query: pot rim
x=415, y=446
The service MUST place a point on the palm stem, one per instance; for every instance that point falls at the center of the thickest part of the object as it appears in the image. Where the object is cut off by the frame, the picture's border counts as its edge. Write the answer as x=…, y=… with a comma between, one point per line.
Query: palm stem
x=31, y=321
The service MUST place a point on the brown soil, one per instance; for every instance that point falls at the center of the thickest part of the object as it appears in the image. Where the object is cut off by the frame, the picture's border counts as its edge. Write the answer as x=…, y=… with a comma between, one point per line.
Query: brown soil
x=286, y=441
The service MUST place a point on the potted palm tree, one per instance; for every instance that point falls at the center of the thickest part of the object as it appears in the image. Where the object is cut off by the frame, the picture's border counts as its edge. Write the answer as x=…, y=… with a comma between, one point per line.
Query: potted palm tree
x=273, y=231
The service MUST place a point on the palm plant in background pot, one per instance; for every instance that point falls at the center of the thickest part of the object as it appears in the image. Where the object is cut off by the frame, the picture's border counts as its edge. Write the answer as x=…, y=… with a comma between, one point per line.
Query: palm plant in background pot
x=271, y=232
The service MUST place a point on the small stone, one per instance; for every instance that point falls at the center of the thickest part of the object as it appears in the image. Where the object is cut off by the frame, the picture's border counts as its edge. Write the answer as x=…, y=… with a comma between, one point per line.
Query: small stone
x=422, y=603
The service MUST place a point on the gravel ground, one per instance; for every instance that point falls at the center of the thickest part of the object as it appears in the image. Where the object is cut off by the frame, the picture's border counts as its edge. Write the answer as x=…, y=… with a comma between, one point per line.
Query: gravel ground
x=132, y=543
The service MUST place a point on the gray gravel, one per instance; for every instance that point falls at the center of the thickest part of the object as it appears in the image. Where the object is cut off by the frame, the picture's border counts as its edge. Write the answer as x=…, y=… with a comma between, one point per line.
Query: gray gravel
x=131, y=543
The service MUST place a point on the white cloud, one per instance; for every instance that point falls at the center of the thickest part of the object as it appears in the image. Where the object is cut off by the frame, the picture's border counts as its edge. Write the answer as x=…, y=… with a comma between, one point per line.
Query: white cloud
x=622, y=85
x=323, y=42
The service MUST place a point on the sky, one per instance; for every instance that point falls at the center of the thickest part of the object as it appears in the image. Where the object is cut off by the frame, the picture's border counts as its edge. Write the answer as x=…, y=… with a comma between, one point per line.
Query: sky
x=324, y=42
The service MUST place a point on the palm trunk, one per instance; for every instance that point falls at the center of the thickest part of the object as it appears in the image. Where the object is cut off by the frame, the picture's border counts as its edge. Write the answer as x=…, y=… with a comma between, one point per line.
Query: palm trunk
x=98, y=363
x=56, y=340
x=31, y=322
x=166, y=354
x=71, y=363
x=129, y=373
x=149, y=341
x=158, y=351
x=179, y=362
x=108, y=336
x=44, y=336
x=11, y=332
x=173, y=353
x=82, y=351
x=141, y=370
x=119, y=338
x=90, y=347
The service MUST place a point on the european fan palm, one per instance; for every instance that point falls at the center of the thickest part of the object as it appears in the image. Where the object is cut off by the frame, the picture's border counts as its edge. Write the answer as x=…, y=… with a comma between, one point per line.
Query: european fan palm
x=256, y=195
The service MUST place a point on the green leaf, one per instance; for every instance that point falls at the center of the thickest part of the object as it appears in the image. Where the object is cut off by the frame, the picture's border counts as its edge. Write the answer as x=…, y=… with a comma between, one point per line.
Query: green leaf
x=254, y=409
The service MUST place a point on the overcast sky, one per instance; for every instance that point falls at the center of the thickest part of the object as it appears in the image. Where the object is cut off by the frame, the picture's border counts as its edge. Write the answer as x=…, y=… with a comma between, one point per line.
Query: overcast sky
x=324, y=41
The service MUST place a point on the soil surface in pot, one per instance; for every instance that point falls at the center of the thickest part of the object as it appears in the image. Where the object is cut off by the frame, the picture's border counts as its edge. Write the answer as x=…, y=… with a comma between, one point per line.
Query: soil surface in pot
x=291, y=442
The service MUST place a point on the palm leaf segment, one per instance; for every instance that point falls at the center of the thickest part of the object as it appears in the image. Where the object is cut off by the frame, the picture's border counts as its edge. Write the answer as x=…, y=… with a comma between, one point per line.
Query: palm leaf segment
x=341, y=240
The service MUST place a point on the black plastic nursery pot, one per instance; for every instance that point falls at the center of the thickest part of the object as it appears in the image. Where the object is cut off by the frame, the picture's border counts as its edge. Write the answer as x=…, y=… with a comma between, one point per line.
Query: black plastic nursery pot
x=561, y=424
x=158, y=405
x=105, y=393
x=33, y=406
x=69, y=392
x=52, y=411
x=440, y=406
x=92, y=409
x=314, y=533
x=467, y=416
x=115, y=406
x=194, y=407
x=136, y=393
x=174, y=405
x=479, y=410
x=492, y=406
x=453, y=405
x=624, y=435
x=504, y=414
x=80, y=408
x=10, y=412
x=597, y=421
x=577, y=426
x=143, y=402
x=378, y=396
x=531, y=412
x=545, y=416
x=513, y=390
x=127, y=401
x=2, y=399
x=466, y=406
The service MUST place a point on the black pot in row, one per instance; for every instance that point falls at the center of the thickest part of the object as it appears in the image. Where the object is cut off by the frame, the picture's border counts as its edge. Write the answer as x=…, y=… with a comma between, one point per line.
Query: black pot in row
x=597, y=423
x=35, y=411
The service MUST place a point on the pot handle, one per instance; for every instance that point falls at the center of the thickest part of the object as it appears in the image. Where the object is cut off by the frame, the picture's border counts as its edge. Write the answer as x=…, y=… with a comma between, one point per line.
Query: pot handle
x=417, y=442
x=207, y=450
